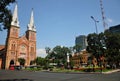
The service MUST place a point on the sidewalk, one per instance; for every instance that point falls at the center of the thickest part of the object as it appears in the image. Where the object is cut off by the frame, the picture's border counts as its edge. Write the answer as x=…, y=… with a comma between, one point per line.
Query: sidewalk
x=109, y=72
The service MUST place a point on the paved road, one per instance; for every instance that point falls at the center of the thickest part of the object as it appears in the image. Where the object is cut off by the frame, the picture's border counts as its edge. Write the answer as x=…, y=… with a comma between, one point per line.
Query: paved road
x=6, y=75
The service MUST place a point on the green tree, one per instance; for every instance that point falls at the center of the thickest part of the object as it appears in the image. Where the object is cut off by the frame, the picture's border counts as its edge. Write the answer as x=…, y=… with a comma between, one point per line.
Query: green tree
x=113, y=47
x=77, y=48
x=40, y=61
x=93, y=45
x=105, y=44
x=47, y=49
x=59, y=54
x=96, y=46
x=21, y=61
x=32, y=62
x=5, y=14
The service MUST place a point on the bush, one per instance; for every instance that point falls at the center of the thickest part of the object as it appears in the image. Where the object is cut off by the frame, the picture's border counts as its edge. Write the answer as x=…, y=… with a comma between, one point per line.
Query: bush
x=33, y=69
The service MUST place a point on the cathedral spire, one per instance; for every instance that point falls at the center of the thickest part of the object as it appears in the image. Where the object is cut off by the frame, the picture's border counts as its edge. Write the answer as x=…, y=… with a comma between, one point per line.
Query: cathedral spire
x=31, y=23
x=15, y=21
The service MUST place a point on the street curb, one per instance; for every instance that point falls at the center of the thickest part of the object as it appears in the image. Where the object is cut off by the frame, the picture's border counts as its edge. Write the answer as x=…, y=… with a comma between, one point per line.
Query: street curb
x=75, y=72
x=109, y=72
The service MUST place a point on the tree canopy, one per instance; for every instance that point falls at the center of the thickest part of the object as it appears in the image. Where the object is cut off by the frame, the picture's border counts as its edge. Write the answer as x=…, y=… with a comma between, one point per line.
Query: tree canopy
x=113, y=47
x=105, y=44
x=40, y=61
x=21, y=61
x=59, y=54
x=5, y=14
x=77, y=48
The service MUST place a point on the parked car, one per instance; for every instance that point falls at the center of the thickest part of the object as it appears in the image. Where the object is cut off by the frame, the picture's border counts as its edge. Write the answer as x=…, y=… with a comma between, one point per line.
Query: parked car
x=15, y=67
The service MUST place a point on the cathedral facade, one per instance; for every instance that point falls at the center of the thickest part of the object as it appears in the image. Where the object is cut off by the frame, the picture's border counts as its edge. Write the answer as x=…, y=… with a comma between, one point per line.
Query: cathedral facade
x=19, y=46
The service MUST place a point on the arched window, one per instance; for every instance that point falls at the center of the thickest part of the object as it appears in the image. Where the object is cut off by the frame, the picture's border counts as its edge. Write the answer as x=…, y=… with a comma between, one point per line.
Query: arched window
x=13, y=45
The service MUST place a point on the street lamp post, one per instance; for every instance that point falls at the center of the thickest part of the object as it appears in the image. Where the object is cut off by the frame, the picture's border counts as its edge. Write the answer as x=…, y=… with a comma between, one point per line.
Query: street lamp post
x=68, y=60
x=95, y=23
x=97, y=39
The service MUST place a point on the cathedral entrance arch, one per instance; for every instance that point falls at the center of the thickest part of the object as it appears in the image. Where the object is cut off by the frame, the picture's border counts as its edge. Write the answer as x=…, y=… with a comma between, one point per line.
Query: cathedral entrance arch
x=12, y=62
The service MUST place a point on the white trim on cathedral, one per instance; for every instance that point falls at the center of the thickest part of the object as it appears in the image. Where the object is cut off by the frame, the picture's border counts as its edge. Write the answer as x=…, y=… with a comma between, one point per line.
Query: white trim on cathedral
x=31, y=23
x=15, y=21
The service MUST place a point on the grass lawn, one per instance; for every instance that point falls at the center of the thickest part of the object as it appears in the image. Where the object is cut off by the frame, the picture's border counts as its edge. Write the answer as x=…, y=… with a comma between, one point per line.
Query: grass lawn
x=71, y=70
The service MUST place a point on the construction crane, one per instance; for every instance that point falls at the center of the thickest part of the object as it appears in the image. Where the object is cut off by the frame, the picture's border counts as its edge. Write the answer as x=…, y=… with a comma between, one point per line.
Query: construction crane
x=103, y=15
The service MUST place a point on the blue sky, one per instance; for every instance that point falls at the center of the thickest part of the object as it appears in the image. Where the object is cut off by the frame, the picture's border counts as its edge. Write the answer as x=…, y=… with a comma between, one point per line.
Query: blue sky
x=58, y=22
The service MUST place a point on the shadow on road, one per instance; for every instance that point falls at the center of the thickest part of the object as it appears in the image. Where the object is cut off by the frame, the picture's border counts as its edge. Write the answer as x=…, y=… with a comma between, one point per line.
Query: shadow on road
x=16, y=80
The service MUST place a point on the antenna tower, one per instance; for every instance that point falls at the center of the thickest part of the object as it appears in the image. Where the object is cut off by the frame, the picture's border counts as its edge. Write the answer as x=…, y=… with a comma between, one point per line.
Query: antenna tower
x=103, y=15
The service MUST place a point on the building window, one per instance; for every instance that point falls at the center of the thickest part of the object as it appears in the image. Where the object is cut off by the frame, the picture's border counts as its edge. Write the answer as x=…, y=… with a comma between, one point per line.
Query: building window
x=14, y=31
x=13, y=46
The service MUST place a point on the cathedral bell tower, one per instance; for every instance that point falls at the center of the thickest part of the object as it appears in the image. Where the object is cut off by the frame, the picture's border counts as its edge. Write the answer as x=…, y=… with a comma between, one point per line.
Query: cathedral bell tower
x=12, y=39
x=31, y=30
x=31, y=37
x=14, y=29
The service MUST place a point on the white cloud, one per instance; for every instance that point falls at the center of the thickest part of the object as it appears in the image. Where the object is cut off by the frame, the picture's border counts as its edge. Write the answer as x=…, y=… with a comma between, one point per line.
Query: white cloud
x=41, y=52
x=109, y=20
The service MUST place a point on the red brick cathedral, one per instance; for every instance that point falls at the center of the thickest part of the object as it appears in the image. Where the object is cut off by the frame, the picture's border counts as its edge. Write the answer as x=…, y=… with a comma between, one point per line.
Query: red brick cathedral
x=18, y=46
